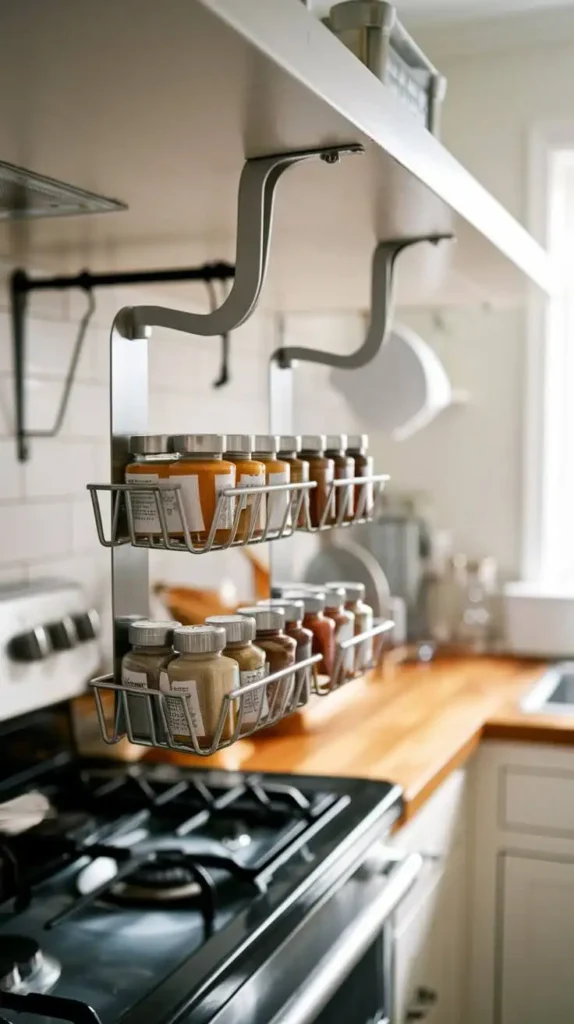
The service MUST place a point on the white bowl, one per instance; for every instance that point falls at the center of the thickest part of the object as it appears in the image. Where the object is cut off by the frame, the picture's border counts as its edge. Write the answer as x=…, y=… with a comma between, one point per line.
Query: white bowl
x=539, y=620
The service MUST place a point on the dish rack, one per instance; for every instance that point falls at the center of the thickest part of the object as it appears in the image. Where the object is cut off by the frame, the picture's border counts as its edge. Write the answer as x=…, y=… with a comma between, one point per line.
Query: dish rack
x=274, y=697
x=246, y=508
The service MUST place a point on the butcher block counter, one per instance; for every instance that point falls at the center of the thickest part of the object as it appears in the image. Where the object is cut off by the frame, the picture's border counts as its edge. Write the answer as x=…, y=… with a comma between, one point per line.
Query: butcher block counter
x=410, y=724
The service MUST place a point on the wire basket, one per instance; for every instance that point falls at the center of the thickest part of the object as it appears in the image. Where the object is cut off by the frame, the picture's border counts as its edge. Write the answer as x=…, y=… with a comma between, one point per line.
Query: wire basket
x=153, y=718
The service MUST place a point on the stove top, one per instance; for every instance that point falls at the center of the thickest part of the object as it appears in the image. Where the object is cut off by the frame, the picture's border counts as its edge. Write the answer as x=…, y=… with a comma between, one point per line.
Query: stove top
x=148, y=894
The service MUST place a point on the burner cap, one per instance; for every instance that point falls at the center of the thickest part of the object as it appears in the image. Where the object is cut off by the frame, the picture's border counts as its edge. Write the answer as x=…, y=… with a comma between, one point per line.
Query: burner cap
x=162, y=879
x=21, y=952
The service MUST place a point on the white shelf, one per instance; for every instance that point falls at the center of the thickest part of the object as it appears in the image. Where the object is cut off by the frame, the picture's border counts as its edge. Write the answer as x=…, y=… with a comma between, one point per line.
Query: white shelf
x=158, y=104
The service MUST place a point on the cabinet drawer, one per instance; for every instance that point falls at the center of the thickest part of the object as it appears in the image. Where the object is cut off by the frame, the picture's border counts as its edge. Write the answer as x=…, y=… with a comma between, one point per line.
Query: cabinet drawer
x=537, y=800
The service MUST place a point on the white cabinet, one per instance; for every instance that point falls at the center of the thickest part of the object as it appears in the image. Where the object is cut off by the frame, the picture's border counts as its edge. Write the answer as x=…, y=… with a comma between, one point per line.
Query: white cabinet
x=537, y=957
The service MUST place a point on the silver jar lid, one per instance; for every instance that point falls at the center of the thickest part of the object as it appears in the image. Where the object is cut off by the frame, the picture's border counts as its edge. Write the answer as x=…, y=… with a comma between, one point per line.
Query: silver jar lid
x=357, y=442
x=198, y=639
x=335, y=597
x=313, y=443
x=198, y=444
x=265, y=443
x=353, y=591
x=290, y=443
x=265, y=618
x=336, y=442
x=313, y=601
x=149, y=444
x=238, y=628
x=293, y=607
x=147, y=633
x=239, y=444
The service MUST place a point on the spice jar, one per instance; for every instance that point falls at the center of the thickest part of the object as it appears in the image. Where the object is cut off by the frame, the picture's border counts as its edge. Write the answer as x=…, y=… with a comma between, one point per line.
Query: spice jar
x=141, y=668
x=294, y=613
x=355, y=603
x=203, y=474
x=357, y=448
x=276, y=472
x=239, y=636
x=322, y=628
x=249, y=473
x=344, y=470
x=298, y=468
x=152, y=460
x=322, y=471
x=280, y=651
x=344, y=630
x=202, y=676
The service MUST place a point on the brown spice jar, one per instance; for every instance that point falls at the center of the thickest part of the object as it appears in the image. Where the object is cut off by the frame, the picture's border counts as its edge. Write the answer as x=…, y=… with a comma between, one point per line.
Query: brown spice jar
x=357, y=447
x=294, y=613
x=203, y=474
x=322, y=628
x=249, y=473
x=344, y=470
x=280, y=651
x=322, y=472
x=299, y=469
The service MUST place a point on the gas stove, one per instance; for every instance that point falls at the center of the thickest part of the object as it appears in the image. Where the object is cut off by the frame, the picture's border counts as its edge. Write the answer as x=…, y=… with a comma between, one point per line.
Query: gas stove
x=157, y=893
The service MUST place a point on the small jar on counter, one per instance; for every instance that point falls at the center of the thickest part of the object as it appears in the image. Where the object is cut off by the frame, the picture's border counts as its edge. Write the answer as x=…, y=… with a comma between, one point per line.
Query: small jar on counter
x=355, y=603
x=151, y=463
x=344, y=630
x=322, y=628
x=280, y=651
x=294, y=611
x=265, y=449
x=322, y=471
x=249, y=473
x=357, y=448
x=240, y=634
x=344, y=470
x=289, y=445
x=202, y=676
x=203, y=474
x=142, y=668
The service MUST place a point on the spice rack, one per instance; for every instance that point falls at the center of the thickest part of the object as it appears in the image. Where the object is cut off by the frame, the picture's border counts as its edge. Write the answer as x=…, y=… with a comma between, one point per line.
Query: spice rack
x=256, y=527
x=161, y=710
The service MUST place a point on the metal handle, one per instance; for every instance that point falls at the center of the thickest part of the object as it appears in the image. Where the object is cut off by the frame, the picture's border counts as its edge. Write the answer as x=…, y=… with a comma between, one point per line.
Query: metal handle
x=348, y=949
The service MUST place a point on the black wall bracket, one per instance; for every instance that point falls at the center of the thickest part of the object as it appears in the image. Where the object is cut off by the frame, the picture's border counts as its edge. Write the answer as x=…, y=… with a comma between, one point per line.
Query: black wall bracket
x=21, y=285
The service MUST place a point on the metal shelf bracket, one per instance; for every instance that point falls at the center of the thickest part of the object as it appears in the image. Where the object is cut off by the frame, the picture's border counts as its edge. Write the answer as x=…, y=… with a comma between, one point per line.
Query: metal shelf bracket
x=382, y=278
x=257, y=186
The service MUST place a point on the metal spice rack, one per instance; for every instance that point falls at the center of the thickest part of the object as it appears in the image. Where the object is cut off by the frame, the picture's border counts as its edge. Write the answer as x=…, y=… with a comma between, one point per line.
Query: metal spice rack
x=275, y=697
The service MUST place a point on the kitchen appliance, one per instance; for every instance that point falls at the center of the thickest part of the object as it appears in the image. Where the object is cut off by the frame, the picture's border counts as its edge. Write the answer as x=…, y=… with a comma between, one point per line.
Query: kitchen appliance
x=539, y=619
x=165, y=894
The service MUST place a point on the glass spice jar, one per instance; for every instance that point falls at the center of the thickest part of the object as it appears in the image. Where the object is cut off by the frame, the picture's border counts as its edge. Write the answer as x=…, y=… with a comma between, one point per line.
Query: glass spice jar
x=249, y=473
x=141, y=668
x=357, y=448
x=298, y=468
x=344, y=630
x=344, y=470
x=203, y=474
x=265, y=447
x=240, y=633
x=280, y=651
x=152, y=460
x=322, y=628
x=322, y=471
x=294, y=611
x=201, y=675
x=355, y=603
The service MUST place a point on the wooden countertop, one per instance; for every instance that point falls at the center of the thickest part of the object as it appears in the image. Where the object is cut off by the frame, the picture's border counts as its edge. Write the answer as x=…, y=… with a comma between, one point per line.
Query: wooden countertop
x=411, y=724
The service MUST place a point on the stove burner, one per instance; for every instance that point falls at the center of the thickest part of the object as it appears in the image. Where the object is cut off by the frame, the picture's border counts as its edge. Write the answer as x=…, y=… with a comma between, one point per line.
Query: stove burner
x=24, y=967
x=164, y=879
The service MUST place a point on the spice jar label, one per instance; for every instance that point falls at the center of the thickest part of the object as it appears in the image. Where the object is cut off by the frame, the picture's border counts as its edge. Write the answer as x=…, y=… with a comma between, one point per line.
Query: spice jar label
x=346, y=632
x=144, y=508
x=191, y=505
x=135, y=680
x=254, y=480
x=222, y=482
x=277, y=503
x=176, y=717
x=255, y=700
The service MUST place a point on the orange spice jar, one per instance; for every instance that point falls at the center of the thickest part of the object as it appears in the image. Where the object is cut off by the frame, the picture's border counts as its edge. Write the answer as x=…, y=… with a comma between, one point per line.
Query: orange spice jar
x=152, y=461
x=298, y=468
x=250, y=473
x=265, y=447
x=203, y=474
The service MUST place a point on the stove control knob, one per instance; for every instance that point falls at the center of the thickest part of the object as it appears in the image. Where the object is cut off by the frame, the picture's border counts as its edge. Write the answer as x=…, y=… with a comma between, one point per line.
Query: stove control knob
x=34, y=645
x=63, y=634
x=87, y=625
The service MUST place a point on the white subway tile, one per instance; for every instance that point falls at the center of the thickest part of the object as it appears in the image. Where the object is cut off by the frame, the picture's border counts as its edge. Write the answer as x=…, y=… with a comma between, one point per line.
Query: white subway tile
x=88, y=412
x=11, y=471
x=84, y=535
x=50, y=345
x=35, y=531
x=59, y=467
x=5, y=342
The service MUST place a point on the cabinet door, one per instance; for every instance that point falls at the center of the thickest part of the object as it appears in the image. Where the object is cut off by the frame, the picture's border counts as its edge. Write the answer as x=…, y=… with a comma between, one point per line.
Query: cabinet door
x=537, y=969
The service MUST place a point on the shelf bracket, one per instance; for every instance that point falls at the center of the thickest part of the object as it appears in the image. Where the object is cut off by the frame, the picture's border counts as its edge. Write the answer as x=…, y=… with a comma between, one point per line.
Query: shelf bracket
x=382, y=280
x=257, y=186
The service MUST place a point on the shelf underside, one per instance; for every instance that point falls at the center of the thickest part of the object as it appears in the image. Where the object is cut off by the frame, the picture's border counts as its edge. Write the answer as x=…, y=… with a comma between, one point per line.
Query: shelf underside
x=158, y=104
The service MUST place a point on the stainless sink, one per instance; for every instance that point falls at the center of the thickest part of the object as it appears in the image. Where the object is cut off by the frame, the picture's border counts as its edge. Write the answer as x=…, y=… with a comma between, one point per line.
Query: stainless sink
x=553, y=693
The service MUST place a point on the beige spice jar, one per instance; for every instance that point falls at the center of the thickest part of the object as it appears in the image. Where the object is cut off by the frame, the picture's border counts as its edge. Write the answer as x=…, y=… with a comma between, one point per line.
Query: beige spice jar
x=201, y=675
x=141, y=669
x=240, y=634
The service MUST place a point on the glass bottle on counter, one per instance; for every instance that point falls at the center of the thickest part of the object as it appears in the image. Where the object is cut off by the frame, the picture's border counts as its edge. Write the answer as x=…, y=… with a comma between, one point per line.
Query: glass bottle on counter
x=265, y=448
x=344, y=470
x=151, y=463
x=357, y=448
x=322, y=627
x=299, y=469
x=355, y=603
x=344, y=630
x=280, y=651
x=249, y=473
x=142, y=667
x=202, y=676
x=322, y=471
x=474, y=630
x=203, y=474
x=294, y=613
x=240, y=634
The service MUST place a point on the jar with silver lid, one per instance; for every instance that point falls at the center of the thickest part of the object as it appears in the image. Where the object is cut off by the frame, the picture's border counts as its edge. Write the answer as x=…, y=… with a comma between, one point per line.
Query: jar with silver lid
x=203, y=474
x=253, y=706
x=201, y=676
x=151, y=463
x=335, y=449
x=289, y=445
x=142, y=668
x=322, y=472
x=250, y=472
x=355, y=603
x=280, y=652
x=265, y=449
